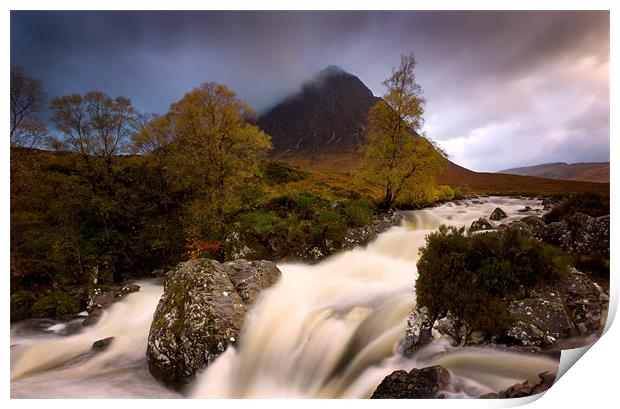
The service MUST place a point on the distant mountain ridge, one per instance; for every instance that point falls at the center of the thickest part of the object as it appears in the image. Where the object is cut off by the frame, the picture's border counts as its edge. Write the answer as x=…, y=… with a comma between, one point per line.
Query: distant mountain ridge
x=328, y=115
x=322, y=126
x=585, y=171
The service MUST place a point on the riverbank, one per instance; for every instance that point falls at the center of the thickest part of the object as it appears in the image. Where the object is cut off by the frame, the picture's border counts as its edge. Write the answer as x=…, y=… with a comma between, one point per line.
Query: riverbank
x=325, y=330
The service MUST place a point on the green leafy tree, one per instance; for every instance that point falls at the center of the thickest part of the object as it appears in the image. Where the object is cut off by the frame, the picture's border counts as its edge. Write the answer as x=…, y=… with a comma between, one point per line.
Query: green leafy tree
x=395, y=156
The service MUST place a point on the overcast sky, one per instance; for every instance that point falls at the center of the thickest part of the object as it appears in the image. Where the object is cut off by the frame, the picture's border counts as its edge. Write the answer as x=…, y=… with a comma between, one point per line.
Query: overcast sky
x=504, y=89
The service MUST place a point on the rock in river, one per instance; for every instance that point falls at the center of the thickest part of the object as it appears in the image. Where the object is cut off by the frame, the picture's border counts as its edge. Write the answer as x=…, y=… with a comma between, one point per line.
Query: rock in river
x=498, y=214
x=200, y=313
x=480, y=225
x=425, y=383
x=528, y=388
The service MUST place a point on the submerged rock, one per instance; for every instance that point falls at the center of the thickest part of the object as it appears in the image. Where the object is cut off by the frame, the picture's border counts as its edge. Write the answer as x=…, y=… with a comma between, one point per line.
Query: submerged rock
x=425, y=383
x=102, y=344
x=93, y=317
x=200, y=313
x=498, y=214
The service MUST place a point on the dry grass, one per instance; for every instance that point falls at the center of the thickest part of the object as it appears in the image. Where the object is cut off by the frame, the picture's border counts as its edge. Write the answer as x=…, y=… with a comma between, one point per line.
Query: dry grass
x=333, y=168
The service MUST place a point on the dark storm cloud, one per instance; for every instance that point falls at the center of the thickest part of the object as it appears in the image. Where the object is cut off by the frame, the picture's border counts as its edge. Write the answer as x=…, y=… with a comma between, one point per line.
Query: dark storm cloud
x=504, y=89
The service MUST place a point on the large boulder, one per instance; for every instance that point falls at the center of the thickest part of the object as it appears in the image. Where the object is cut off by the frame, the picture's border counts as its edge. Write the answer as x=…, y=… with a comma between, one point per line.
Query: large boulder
x=587, y=234
x=536, y=223
x=200, y=313
x=580, y=233
x=585, y=302
x=418, y=332
x=574, y=305
x=539, y=321
x=425, y=383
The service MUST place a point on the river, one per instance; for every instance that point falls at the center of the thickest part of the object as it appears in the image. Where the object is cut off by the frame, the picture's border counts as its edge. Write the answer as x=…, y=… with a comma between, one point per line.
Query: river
x=325, y=330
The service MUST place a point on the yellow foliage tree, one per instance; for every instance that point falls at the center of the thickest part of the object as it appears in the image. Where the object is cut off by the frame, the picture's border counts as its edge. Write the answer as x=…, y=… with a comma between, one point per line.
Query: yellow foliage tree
x=214, y=153
x=395, y=156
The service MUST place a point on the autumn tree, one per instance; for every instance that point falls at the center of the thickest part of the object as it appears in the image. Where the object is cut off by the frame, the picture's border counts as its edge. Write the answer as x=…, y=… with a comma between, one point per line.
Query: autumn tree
x=152, y=139
x=99, y=127
x=395, y=156
x=215, y=153
x=153, y=134
x=95, y=125
x=27, y=101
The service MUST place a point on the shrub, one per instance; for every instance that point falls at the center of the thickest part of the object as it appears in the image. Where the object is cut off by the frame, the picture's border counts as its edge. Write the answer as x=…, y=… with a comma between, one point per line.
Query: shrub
x=261, y=222
x=292, y=224
x=278, y=172
x=476, y=277
x=594, y=263
x=57, y=304
x=444, y=193
x=359, y=213
x=21, y=303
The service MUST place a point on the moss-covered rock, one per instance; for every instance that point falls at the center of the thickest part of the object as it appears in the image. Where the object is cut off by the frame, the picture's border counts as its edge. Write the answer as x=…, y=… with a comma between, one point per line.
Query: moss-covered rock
x=200, y=313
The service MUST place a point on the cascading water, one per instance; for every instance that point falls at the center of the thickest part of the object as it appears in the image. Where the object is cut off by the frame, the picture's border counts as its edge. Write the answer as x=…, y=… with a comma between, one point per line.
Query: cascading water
x=324, y=330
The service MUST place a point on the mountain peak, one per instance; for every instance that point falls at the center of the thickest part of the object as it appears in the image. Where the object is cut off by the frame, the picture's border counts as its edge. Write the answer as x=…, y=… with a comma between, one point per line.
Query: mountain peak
x=328, y=114
x=331, y=71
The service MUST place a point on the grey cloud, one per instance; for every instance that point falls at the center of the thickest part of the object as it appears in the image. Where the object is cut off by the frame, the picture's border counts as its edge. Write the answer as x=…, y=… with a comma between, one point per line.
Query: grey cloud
x=513, y=74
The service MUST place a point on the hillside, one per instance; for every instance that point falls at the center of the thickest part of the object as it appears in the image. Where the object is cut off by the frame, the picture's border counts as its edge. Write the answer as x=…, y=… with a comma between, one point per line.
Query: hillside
x=459, y=177
x=328, y=115
x=588, y=172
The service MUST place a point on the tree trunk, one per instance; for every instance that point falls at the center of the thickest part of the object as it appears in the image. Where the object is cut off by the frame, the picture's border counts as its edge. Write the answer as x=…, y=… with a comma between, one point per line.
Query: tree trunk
x=387, y=204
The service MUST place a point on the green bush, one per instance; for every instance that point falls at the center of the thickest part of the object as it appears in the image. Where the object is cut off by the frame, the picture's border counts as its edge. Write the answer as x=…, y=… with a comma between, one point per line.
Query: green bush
x=290, y=225
x=476, y=277
x=359, y=213
x=444, y=193
x=261, y=222
x=278, y=172
x=57, y=304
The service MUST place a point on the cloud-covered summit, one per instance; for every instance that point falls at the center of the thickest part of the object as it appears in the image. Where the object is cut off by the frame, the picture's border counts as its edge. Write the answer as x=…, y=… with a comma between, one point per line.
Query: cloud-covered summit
x=504, y=88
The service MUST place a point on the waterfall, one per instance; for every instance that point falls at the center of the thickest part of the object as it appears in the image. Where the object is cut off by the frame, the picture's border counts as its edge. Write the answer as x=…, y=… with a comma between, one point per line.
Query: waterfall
x=325, y=330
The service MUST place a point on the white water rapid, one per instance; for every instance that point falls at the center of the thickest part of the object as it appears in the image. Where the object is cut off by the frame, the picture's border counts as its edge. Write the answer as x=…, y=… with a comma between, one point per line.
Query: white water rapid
x=324, y=330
